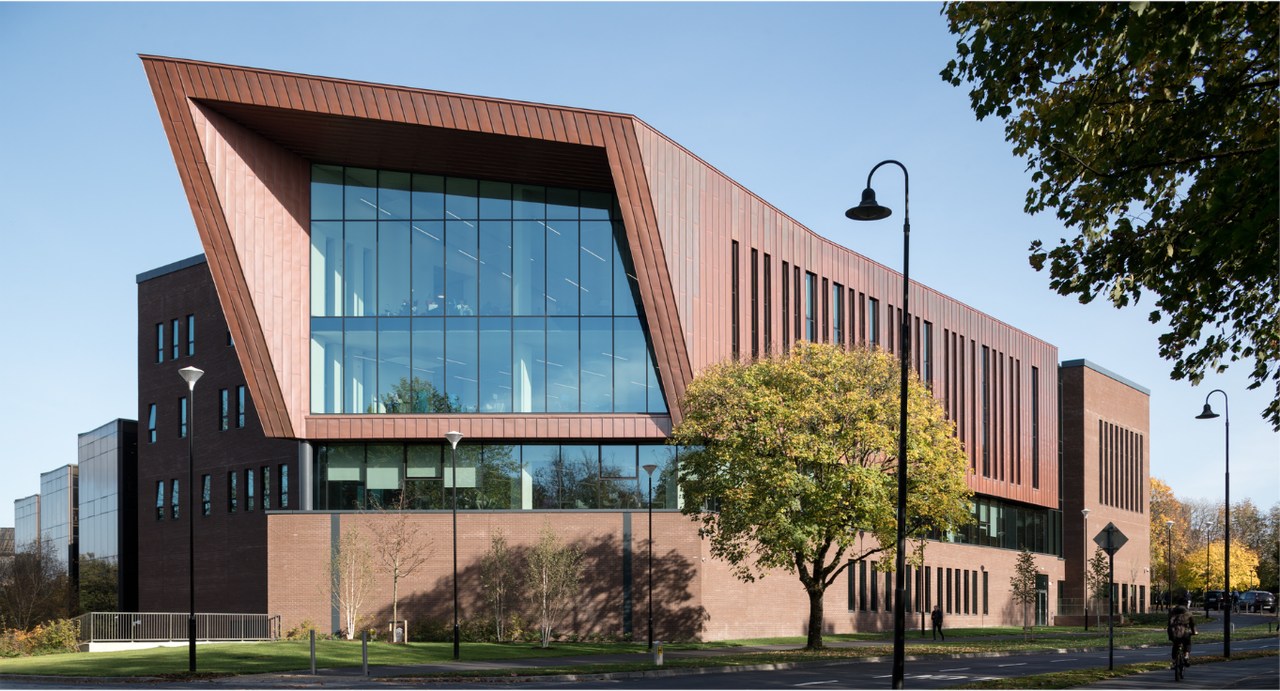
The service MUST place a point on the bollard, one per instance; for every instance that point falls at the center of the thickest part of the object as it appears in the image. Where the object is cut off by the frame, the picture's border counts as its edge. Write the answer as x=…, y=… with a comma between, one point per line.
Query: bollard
x=364, y=651
x=313, y=652
x=657, y=653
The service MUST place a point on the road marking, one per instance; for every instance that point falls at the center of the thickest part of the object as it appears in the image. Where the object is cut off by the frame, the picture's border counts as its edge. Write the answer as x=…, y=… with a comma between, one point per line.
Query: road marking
x=1012, y=664
x=1065, y=659
x=954, y=669
x=814, y=683
x=882, y=676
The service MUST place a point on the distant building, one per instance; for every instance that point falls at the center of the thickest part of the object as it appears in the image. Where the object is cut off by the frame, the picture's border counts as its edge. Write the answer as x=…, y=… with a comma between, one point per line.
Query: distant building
x=108, y=512
x=58, y=510
x=26, y=523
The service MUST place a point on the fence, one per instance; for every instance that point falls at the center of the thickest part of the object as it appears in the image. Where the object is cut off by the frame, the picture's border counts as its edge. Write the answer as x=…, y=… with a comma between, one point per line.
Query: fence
x=149, y=627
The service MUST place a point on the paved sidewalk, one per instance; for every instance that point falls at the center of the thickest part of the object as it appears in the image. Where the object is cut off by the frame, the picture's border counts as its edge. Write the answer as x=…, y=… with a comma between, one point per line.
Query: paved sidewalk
x=1259, y=673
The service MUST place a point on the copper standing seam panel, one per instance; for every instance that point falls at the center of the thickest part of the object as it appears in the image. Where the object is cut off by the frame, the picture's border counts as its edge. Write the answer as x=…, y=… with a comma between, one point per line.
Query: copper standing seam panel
x=183, y=138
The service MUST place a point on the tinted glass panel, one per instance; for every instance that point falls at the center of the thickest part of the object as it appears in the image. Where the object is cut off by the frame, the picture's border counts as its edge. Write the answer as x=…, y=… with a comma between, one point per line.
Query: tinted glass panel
x=562, y=364
x=495, y=365
x=326, y=192
x=461, y=364
x=360, y=269
x=395, y=390
x=393, y=195
x=361, y=194
x=359, y=367
x=393, y=269
x=495, y=268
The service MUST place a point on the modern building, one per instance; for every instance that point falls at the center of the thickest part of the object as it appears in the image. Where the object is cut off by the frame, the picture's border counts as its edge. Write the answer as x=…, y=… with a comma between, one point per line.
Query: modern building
x=108, y=515
x=58, y=514
x=6, y=547
x=26, y=522
x=392, y=264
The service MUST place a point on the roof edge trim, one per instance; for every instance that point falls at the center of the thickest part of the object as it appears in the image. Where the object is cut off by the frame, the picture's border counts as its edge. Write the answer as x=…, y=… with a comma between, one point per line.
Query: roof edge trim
x=1106, y=373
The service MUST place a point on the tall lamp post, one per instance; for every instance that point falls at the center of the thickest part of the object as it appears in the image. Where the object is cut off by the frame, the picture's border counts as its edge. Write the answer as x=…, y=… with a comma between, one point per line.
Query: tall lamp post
x=454, y=438
x=1084, y=583
x=191, y=375
x=870, y=210
x=1208, y=414
x=648, y=469
x=1168, y=525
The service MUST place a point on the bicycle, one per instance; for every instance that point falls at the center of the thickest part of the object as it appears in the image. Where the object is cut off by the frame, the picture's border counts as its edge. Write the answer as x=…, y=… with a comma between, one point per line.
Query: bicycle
x=1179, y=660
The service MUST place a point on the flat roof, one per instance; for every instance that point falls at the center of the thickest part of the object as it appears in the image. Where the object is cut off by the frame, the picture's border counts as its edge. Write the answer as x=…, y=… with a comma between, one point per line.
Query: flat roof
x=1107, y=373
x=170, y=268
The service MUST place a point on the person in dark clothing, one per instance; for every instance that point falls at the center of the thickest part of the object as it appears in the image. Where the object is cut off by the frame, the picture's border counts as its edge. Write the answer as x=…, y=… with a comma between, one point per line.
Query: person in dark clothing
x=937, y=623
x=1182, y=626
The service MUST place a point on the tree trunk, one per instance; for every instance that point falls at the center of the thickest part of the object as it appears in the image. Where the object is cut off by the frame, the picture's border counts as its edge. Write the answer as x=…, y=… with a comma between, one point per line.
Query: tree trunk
x=815, y=618
x=395, y=611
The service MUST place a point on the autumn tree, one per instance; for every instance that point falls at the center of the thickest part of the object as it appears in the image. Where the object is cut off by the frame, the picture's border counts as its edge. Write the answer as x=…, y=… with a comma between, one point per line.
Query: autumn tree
x=553, y=573
x=796, y=454
x=1099, y=576
x=33, y=586
x=1022, y=584
x=1207, y=573
x=400, y=546
x=350, y=579
x=1151, y=130
x=1165, y=506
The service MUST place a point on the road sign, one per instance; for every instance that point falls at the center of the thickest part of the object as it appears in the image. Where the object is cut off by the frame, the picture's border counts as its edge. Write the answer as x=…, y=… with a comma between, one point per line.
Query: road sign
x=1110, y=539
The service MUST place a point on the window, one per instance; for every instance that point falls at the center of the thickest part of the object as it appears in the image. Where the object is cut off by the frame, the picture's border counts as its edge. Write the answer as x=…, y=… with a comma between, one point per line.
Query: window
x=826, y=313
x=191, y=335
x=151, y=423
x=837, y=313
x=985, y=574
x=875, y=591
x=174, y=494
x=862, y=585
x=1035, y=427
x=160, y=500
x=224, y=411
x=927, y=344
x=799, y=311
x=230, y=342
x=266, y=487
x=891, y=341
x=160, y=342
x=284, y=486
x=786, y=308
x=768, y=304
x=873, y=325
x=233, y=494
x=811, y=307
x=250, y=498
x=735, y=305
x=182, y=418
x=206, y=494
x=174, y=326
x=986, y=413
x=755, y=304
x=241, y=405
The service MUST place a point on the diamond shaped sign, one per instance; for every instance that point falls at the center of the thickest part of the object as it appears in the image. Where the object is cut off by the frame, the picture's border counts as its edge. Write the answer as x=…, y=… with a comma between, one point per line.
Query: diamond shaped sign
x=1110, y=539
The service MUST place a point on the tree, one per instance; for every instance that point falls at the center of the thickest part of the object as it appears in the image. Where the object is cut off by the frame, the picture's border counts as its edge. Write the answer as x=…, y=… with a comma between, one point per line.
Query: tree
x=99, y=584
x=1151, y=129
x=498, y=579
x=554, y=572
x=796, y=454
x=351, y=579
x=33, y=587
x=1166, y=507
x=1269, y=556
x=1023, y=584
x=414, y=395
x=399, y=545
x=1207, y=574
x=1099, y=575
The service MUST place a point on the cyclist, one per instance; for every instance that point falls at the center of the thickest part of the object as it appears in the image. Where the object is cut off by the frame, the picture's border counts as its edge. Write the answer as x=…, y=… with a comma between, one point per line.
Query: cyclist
x=1182, y=626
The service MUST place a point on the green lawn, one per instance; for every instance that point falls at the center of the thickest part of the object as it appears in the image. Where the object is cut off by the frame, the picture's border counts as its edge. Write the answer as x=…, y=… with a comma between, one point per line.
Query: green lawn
x=283, y=656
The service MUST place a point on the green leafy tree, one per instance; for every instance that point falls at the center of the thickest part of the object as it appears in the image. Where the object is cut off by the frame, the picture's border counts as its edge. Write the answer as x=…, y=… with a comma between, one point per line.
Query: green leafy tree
x=1269, y=556
x=498, y=579
x=33, y=587
x=1023, y=584
x=796, y=454
x=414, y=395
x=554, y=573
x=99, y=584
x=1151, y=129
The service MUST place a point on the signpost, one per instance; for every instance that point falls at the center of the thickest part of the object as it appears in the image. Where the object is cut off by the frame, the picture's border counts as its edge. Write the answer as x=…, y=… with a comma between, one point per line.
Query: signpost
x=1111, y=540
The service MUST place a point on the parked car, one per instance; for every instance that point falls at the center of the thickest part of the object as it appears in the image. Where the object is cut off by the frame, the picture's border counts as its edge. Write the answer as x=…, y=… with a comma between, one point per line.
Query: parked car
x=1258, y=601
x=1213, y=599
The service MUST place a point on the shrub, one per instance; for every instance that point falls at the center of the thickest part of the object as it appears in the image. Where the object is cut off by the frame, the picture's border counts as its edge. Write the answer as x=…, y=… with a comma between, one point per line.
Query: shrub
x=57, y=636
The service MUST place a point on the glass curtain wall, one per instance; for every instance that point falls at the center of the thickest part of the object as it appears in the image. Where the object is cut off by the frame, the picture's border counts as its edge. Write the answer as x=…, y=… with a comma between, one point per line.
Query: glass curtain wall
x=494, y=477
x=433, y=294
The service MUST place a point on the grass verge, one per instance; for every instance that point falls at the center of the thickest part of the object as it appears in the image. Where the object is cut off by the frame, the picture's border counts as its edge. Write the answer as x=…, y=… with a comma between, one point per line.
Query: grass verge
x=1084, y=677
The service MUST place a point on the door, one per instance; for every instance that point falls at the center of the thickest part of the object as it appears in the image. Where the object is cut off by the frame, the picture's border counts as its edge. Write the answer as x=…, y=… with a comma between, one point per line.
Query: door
x=1042, y=599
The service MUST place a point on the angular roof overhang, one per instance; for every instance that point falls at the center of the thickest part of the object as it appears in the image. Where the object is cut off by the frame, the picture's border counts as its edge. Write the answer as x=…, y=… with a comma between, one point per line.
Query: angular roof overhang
x=244, y=139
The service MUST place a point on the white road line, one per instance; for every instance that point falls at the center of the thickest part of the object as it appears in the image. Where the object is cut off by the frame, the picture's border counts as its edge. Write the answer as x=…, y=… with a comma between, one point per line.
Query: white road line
x=1012, y=664
x=954, y=669
x=1065, y=659
x=814, y=683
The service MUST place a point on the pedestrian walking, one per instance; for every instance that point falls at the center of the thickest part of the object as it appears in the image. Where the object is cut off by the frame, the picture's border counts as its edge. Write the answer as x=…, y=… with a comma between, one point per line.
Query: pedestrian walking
x=937, y=623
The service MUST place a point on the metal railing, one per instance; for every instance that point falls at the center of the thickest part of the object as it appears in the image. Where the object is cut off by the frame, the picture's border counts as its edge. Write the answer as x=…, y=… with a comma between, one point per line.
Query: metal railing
x=104, y=627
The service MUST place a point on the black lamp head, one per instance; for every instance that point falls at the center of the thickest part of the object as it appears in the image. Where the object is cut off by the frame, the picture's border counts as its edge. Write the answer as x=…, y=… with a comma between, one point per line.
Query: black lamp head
x=1207, y=414
x=869, y=209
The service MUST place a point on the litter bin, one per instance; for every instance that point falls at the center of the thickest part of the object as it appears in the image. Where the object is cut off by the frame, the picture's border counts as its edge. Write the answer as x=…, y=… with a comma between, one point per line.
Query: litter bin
x=657, y=653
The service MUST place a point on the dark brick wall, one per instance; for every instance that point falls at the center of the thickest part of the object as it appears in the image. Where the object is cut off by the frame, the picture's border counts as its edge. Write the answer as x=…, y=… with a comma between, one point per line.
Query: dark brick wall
x=231, y=549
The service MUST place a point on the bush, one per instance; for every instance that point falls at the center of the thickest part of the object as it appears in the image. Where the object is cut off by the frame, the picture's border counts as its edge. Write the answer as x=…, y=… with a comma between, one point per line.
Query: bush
x=302, y=632
x=57, y=636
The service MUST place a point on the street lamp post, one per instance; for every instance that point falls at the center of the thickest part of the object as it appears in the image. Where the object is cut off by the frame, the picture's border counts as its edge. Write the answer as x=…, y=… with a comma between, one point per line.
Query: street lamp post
x=870, y=210
x=1168, y=525
x=1084, y=583
x=191, y=375
x=648, y=469
x=454, y=438
x=1208, y=414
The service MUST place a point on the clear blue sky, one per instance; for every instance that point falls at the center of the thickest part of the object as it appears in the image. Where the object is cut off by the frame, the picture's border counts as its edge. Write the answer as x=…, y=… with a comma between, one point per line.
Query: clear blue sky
x=795, y=101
